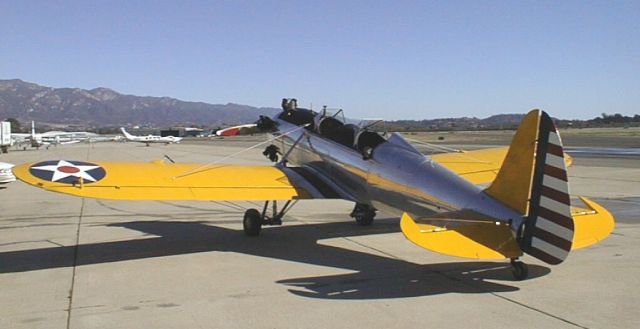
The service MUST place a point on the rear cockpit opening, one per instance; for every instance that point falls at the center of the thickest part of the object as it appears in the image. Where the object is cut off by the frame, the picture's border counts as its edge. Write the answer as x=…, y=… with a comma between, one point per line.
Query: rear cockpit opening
x=367, y=142
x=337, y=131
x=362, y=137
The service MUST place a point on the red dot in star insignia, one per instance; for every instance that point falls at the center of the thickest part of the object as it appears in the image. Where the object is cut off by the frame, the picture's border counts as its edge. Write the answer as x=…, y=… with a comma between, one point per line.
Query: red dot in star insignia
x=68, y=169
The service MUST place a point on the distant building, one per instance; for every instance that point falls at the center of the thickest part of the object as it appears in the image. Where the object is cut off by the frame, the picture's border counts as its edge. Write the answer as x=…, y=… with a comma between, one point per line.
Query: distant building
x=181, y=132
x=170, y=132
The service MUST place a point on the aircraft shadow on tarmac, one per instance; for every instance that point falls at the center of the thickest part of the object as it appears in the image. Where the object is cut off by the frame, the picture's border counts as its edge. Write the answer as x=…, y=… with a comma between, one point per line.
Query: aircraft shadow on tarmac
x=373, y=276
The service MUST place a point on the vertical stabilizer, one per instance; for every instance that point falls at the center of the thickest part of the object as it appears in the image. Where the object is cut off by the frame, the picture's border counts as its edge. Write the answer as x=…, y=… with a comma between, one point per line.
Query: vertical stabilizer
x=36, y=140
x=126, y=134
x=512, y=185
x=533, y=181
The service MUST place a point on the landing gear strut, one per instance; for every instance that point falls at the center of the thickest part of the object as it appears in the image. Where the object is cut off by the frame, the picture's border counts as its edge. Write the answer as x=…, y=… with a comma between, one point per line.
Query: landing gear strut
x=520, y=269
x=254, y=219
x=363, y=214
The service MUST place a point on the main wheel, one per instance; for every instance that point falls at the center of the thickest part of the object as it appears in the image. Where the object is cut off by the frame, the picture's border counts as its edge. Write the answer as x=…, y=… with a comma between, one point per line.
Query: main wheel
x=363, y=214
x=252, y=222
x=520, y=270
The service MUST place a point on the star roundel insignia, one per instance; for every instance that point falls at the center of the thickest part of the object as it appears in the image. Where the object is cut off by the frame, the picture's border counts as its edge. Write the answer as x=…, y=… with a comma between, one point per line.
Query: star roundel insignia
x=69, y=172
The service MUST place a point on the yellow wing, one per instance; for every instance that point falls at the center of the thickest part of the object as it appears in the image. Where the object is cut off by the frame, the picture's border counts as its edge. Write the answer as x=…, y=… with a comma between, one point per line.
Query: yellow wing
x=163, y=181
x=478, y=166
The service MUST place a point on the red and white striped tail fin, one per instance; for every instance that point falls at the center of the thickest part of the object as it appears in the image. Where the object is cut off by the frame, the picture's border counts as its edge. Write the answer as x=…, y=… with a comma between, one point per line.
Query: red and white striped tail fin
x=549, y=228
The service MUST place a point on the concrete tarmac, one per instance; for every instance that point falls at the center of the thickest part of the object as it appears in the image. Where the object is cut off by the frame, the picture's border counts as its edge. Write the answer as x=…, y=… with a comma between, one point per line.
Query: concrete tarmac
x=68, y=262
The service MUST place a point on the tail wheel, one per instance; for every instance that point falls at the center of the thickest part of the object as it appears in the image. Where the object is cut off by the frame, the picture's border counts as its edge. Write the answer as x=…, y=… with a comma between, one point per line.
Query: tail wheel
x=252, y=222
x=520, y=270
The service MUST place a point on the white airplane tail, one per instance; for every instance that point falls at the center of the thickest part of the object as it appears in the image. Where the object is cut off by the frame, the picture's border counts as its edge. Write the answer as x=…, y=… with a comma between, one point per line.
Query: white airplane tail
x=36, y=141
x=126, y=134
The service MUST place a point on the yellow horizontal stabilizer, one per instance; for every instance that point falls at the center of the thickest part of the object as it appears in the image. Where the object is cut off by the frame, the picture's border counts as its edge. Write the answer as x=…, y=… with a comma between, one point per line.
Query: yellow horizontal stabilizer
x=480, y=167
x=591, y=225
x=465, y=239
x=160, y=181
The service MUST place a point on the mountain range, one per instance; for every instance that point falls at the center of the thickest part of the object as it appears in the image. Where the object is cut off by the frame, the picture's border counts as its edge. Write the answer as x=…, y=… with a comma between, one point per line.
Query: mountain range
x=498, y=121
x=26, y=101
x=103, y=107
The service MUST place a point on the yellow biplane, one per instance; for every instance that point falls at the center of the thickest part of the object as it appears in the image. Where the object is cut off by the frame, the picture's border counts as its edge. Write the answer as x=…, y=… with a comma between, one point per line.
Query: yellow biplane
x=486, y=204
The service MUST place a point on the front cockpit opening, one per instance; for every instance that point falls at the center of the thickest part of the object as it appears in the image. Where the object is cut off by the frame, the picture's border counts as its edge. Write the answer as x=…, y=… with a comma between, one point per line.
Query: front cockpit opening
x=297, y=116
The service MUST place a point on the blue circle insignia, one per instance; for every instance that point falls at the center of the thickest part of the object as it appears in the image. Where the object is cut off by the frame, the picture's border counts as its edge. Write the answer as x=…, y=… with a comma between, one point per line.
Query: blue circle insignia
x=69, y=172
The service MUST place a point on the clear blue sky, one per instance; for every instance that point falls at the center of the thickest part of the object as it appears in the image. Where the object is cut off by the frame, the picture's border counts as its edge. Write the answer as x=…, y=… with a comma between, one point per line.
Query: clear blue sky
x=390, y=59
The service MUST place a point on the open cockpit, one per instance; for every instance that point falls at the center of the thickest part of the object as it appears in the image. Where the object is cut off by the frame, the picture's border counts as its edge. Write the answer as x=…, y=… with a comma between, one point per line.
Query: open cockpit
x=332, y=125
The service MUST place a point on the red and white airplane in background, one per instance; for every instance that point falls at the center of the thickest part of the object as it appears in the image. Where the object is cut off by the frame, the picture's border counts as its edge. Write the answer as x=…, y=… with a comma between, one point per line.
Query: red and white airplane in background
x=247, y=129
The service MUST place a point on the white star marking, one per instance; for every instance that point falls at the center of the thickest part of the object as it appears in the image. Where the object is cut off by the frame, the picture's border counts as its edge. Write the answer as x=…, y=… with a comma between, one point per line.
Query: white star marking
x=65, y=169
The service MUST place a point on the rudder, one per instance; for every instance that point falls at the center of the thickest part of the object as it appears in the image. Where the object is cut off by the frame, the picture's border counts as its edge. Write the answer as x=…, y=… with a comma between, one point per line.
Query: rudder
x=548, y=229
x=533, y=181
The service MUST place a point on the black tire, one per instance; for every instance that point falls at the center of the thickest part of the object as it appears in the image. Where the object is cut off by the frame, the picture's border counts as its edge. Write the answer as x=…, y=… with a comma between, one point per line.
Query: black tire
x=520, y=270
x=252, y=222
x=366, y=218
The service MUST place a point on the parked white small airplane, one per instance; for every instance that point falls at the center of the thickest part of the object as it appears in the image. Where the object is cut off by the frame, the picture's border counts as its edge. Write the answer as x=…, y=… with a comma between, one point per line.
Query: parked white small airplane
x=150, y=138
x=50, y=137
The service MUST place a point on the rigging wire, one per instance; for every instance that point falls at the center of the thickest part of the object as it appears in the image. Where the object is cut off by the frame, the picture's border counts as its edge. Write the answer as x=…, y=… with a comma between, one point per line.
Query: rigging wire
x=434, y=146
x=439, y=148
x=207, y=166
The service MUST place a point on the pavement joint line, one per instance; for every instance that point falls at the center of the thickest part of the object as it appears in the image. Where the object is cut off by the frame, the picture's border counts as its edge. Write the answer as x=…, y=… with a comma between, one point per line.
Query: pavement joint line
x=28, y=241
x=177, y=204
x=202, y=212
x=374, y=249
x=75, y=264
x=34, y=218
x=230, y=204
x=514, y=301
x=355, y=242
x=605, y=179
x=104, y=205
x=31, y=226
x=624, y=200
x=54, y=243
x=538, y=310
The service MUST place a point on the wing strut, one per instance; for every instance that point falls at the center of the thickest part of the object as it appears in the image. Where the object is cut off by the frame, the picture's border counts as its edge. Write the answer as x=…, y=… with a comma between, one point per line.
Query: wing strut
x=283, y=161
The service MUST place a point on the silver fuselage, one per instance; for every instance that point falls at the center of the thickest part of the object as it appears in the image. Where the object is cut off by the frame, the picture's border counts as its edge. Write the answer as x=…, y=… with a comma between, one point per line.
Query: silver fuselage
x=396, y=179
